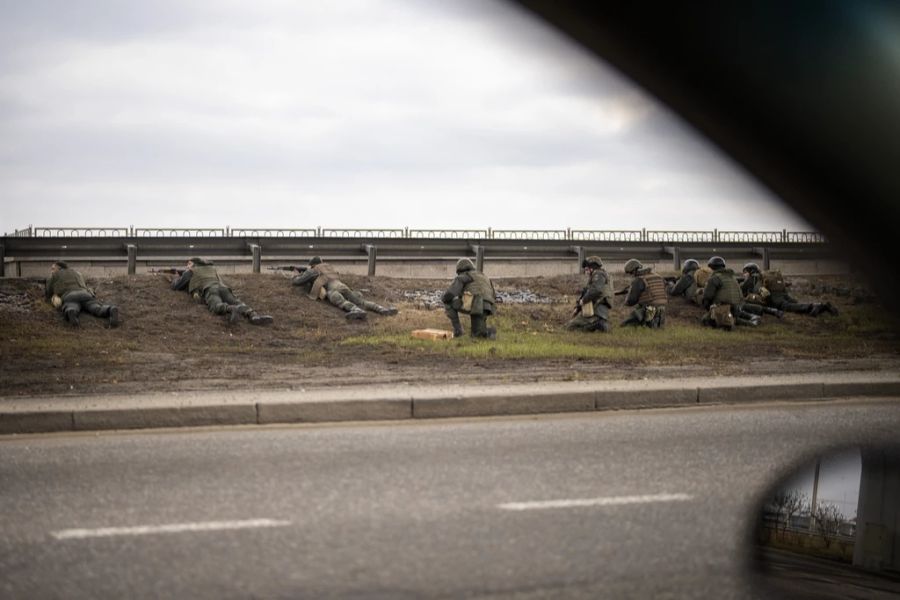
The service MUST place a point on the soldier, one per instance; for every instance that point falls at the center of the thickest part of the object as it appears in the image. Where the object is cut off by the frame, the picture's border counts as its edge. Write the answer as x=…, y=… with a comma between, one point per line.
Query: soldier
x=66, y=290
x=592, y=308
x=686, y=285
x=647, y=294
x=769, y=289
x=722, y=297
x=471, y=293
x=321, y=281
x=201, y=280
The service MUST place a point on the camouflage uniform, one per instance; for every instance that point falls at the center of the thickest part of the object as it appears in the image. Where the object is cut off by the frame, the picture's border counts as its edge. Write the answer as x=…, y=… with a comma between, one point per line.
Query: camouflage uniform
x=321, y=281
x=202, y=282
x=722, y=297
x=648, y=295
x=70, y=287
x=597, y=293
x=687, y=285
x=777, y=296
x=470, y=282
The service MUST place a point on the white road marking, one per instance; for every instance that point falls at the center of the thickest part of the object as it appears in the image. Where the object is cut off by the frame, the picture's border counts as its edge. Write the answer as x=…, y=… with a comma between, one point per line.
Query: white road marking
x=607, y=501
x=69, y=534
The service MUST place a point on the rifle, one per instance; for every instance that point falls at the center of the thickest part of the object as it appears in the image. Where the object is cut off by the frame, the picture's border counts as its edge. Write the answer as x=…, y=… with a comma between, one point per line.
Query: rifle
x=623, y=291
x=169, y=270
x=287, y=268
x=577, y=309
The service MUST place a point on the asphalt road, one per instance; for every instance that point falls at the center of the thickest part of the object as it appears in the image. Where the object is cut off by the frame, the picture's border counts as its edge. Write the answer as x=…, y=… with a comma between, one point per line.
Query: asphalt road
x=655, y=503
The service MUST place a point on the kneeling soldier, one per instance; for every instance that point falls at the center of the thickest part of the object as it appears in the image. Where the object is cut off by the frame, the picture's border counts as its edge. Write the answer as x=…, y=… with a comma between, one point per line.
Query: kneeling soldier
x=471, y=293
x=722, y=297
x=201, y=280
x=592, y=309
x=67, y=291
x=321, y=281
x=647, y=294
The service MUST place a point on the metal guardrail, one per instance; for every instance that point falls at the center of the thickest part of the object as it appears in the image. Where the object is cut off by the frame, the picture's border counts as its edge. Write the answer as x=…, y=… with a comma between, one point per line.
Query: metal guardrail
x=161, y=244
x=574, y=235
x=179, y=232
x=288, y=233
x=77, y=232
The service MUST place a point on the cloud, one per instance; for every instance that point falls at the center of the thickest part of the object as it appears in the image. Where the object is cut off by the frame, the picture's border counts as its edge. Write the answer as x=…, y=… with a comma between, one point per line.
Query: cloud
x=387, y=113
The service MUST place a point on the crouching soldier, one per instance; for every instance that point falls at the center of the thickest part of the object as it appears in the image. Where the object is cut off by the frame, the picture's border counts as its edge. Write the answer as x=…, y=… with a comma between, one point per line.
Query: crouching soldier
x=471, y=293
x=592, y=308
x=647, y=294
x=770, y=290
x=321, y=282
x=201, y=280
x=66, y=290
x=723, y=299
x=686, y=285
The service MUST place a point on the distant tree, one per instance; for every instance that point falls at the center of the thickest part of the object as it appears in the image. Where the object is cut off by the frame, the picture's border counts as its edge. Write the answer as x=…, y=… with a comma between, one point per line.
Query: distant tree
x=788, y=503
x=828, y=519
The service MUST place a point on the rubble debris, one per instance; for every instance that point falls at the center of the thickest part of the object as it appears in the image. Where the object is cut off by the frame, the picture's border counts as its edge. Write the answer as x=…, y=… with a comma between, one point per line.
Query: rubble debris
x=431, y=299
x=20, y=302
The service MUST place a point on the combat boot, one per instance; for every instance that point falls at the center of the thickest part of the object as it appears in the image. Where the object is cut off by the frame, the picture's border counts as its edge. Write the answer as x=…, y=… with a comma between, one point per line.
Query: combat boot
x=491, y=333
x=778, y=314
x=457, y=327
x=387, y=311
x=816, y=309
x=356, y=314
x=114, y=316
x=752, y=321
x=257, y=319
x=72, y=318
x=831, y=308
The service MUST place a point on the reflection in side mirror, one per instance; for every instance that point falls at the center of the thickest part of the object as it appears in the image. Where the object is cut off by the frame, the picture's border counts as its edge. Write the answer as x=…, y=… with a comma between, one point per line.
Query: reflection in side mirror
x=830, y=529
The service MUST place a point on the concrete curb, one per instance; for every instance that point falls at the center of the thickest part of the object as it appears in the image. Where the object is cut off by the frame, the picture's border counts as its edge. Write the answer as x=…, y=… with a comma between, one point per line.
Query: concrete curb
x=391, y=403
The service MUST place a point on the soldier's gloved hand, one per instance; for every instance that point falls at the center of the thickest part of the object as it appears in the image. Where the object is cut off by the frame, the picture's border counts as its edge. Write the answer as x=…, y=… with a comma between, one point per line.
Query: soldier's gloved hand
x=56, y=301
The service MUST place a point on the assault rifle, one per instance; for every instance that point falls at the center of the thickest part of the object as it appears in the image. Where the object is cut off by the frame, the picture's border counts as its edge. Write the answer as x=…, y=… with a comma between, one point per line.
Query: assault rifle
x=577, y=308
x=623, y=291
x=169, y=270
x=671, y=279
x=297, y=268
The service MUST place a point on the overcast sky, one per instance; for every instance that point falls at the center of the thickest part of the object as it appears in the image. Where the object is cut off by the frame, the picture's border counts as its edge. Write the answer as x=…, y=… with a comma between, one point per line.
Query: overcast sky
x=354, y=113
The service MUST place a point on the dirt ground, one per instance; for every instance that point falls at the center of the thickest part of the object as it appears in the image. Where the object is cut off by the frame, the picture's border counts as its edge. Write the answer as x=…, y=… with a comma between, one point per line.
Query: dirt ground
x=169, y=342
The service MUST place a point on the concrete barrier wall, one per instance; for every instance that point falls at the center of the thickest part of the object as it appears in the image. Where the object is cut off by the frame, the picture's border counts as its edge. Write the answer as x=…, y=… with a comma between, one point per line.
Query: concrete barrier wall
x=432, y=269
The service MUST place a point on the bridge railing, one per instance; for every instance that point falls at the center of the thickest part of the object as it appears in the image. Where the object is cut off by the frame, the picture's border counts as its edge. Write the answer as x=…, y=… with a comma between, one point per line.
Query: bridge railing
x=575, y=235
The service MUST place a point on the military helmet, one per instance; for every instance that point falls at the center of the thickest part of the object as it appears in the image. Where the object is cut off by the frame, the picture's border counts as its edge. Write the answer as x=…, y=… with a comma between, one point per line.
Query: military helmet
x=633, y=266
x=592, y=261
x=464, y=264
x=315, y=260
x=716, y=262
x=61, y=264
x=751, y=268
x=689, y=265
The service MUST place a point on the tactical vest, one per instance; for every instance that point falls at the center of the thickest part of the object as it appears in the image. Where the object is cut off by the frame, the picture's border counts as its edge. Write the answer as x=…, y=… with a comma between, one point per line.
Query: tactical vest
x=65, y=281
x=606, y=290
x=327, y=274
x=774, y=282
x=480, y=286
x=202, y=277
x=654, y=293
x=729, y=292
x=702, y=275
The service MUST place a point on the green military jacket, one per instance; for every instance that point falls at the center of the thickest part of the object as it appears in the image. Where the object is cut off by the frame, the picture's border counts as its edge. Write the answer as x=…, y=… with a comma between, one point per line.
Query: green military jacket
x=202, y=277
x=598, y=289
x=722, y=288
x=64, y=281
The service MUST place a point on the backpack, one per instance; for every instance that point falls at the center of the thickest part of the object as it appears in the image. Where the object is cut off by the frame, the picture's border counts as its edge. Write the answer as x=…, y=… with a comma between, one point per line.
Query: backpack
x=774, y=282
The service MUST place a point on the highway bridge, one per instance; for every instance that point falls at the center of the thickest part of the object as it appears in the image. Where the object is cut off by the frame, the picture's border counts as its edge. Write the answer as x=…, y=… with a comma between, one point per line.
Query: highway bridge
x=405, y=252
